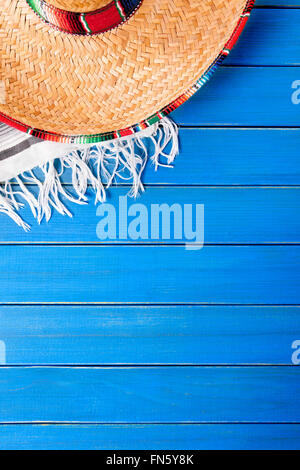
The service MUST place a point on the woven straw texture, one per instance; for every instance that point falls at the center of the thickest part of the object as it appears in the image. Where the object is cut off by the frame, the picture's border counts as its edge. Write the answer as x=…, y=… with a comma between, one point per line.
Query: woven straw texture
x=74, y=85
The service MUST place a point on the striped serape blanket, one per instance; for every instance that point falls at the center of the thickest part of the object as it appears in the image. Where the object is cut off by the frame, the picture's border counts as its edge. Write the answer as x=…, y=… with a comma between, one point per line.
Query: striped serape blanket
x=28, y=162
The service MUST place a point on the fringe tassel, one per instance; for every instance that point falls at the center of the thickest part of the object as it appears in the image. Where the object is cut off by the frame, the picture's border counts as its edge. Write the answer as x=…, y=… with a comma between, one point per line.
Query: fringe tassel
x=96, y=167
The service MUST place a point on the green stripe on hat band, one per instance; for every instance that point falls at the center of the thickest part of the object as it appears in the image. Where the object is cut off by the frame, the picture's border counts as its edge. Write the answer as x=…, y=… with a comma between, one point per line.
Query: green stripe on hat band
x=85, y=24
x=120, y=9
x=36, y=6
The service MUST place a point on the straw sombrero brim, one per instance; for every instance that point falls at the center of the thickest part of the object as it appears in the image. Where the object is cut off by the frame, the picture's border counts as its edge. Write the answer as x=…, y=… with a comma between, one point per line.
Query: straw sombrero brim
x=70, y=88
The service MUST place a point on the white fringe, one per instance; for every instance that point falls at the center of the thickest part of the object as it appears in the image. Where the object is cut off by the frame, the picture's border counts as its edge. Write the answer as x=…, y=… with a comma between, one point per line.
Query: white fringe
x=97, y=167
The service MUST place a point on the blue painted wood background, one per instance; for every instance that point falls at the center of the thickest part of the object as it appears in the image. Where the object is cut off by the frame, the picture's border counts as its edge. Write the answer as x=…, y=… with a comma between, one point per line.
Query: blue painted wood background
x=147, y=345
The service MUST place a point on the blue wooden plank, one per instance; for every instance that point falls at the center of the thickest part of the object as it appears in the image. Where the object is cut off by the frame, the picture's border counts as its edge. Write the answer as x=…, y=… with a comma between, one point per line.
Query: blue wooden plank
x=166, y=274
x=150, y=394
x=245, y=96
x=232, y=215
x=277, y=3
x=230, y=156
x=270, y=38
x=156, y=437
x=151, y=335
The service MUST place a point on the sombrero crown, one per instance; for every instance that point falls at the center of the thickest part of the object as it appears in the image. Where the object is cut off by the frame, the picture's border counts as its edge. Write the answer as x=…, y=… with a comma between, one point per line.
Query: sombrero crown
x=82, y=70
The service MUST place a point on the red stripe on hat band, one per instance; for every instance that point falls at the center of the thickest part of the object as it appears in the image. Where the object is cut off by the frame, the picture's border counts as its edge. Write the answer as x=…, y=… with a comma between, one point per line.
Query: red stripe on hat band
x=99, y=21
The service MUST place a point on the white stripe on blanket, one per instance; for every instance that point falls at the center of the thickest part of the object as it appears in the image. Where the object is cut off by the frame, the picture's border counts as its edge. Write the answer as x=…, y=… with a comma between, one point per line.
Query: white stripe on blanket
x=20, y=152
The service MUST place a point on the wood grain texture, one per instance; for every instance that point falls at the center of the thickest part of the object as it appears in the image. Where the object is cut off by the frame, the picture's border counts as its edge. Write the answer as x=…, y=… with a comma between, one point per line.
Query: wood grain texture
x=156, y=437
x=148, y=335
x=150, y=394
x=229, y=156
x=268, y=39
x=277, y=3
x=242, y=275
x=232, y=215
x=244, y=96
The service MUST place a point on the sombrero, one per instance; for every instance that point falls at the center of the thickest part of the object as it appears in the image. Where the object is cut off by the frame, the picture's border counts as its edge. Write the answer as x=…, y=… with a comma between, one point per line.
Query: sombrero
x=95, y=79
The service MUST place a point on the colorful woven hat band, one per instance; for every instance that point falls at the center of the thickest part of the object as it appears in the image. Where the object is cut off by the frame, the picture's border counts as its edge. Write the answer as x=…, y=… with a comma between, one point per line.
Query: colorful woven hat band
x=98, y=21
